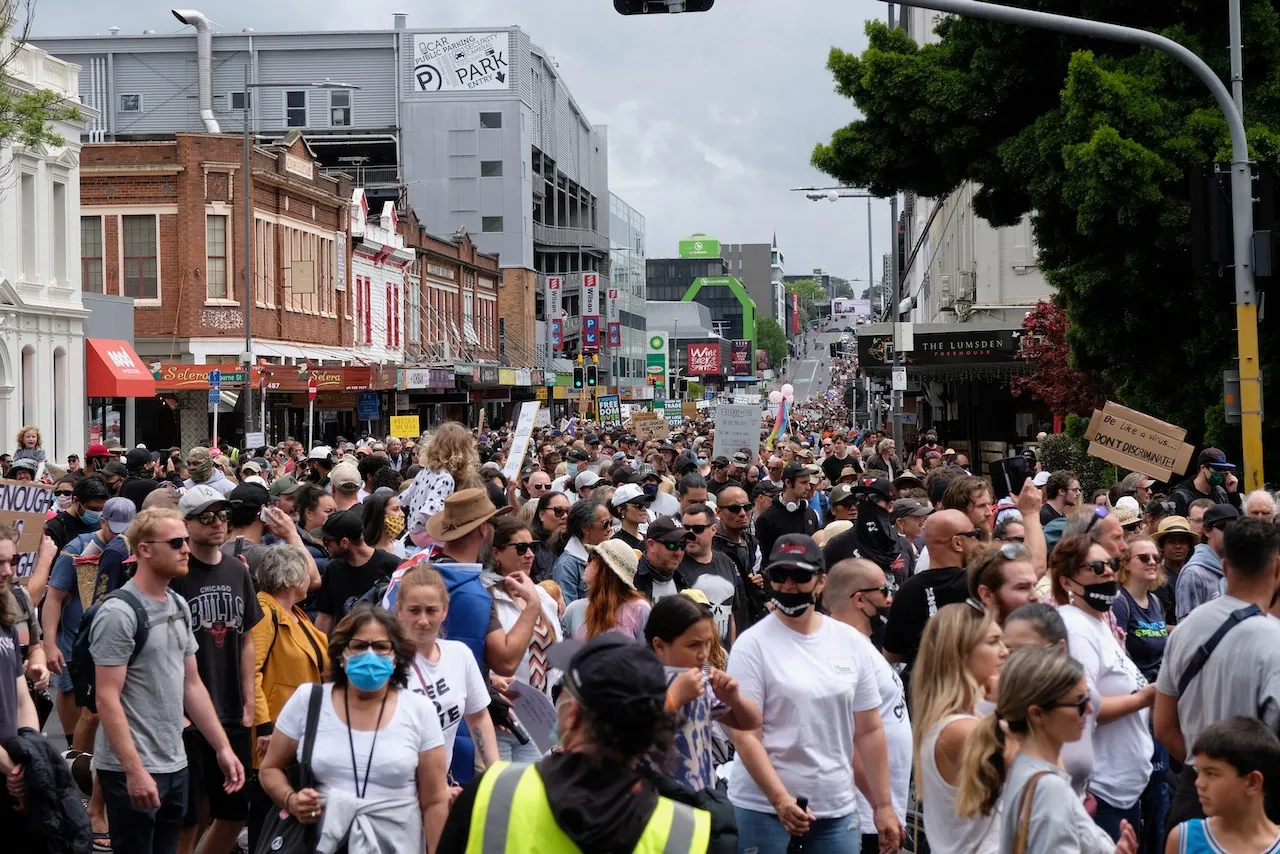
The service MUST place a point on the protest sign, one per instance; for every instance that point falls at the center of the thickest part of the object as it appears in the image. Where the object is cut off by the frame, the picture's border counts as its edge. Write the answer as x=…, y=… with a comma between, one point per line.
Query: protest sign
x=737, y=429
x=24, y=506
x=520, y=444
x=649, y=425
x=1138, y=442
x=608, y=409
x=404, y=426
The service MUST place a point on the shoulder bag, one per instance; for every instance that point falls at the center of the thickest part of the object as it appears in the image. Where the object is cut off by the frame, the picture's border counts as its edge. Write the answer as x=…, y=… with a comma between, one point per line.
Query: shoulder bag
x=282, y=833
x=1024, y=812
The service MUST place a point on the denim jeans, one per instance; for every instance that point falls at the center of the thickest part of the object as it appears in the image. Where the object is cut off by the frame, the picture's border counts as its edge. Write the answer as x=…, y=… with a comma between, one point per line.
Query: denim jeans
x=762, y=833
x=1155, y=804
x=511, y=750
x=1109, y=816
x=136, y=831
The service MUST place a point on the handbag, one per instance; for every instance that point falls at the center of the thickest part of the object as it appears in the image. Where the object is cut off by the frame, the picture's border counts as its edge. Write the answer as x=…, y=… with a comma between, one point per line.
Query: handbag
x=1024, y=813
x=281, y=832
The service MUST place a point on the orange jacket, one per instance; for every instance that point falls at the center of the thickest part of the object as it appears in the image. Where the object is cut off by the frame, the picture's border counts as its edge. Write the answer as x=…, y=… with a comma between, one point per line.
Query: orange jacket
x=290, y=651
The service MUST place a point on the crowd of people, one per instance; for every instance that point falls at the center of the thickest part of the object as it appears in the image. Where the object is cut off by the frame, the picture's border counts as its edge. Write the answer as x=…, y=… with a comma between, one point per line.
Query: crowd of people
x=635, y=644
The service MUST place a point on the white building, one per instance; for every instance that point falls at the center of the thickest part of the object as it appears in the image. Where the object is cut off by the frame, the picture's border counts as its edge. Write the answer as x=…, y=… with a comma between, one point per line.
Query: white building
x=378, y=262
x=42, y=348
x=966, y=270
x=777, y=280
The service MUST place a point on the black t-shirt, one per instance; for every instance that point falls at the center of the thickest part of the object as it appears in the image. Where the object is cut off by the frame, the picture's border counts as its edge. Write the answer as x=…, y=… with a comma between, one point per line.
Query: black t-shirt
x=719, y=580
x=224, y=608
x=10, y=669
x=633, y=541
x=916, y=602
x=64, y=528
x=136, y=489
x=832, y=466
x=1048, y=513
x=714, y=489
x=344, y=584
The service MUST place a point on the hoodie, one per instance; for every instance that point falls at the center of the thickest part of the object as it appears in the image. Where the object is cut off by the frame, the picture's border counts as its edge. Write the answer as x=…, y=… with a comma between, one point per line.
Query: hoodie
x=874, y=538
x=1200, y=580
x=647, y=574
x=217, y=480
x=777, y=520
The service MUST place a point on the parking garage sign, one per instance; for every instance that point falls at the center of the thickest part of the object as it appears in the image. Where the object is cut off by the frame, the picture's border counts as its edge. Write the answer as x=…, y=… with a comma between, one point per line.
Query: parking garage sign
x=461, y=62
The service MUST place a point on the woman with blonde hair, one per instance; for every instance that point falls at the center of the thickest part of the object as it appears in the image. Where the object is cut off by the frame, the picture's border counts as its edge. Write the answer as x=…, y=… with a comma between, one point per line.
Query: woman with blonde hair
x=961, y=655
x=1044, y=703
x=448, y=459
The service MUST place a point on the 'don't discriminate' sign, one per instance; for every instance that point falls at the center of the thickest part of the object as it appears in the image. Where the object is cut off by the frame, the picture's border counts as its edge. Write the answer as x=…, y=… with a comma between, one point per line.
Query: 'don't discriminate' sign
x=1138, y=442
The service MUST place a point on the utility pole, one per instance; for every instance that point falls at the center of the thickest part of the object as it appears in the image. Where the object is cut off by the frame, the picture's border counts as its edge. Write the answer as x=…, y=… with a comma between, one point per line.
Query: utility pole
x=895, y=298
x=246, y=250
x=1241, y=181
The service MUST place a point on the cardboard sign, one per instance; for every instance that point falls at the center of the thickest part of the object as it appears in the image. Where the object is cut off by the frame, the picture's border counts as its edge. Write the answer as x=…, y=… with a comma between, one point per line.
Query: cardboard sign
x=1138, y=442
x=24, y=506
x=690, y=409
x=524, y=434
x=649, y=425
x=405, y=426
x=737, y=429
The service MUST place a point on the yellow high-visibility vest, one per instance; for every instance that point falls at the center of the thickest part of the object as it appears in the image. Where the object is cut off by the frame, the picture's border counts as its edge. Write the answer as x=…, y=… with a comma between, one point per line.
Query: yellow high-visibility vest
x=511, y=815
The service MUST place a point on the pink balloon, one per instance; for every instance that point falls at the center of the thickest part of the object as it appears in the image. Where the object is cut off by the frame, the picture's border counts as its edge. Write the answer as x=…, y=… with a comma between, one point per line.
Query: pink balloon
x=775, y=397
x=788, y=397
x=788, y=389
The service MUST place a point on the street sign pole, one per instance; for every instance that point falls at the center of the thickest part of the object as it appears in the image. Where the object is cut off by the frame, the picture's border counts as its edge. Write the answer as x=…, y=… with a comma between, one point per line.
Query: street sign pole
x=215, y=398
x=311, y=414
x=1241, y=188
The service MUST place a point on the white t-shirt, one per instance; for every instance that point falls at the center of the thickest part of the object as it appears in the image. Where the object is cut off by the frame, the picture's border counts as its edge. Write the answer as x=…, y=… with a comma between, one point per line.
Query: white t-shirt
x=454, y=684
x=1122, y=747
x=897, y=737
x=808, y=688
x=393, y=773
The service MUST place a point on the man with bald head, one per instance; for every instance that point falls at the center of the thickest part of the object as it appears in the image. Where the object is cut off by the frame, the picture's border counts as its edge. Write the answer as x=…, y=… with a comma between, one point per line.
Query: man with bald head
x=950, y=537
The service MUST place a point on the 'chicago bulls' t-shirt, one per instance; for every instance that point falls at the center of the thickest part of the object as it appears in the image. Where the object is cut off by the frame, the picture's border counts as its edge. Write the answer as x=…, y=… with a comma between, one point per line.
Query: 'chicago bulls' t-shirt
x=224, y=608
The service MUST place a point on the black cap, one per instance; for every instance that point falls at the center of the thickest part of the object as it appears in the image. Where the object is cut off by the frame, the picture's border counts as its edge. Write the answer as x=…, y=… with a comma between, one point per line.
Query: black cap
x=685, y=463
x=137, y=458
x=720, y=462
x=793, y=471
x=873, y=487
x=1214, y=459
x=610, y=673
x=593, y=439
x=764, y=487
x=249, y=494
x=668, y=529
x=938, y=489
x=667, y=446
x=797, y=550
x=115, y=468
x=577, y=456
x=905, y=507
x=343, y=524
x=1219, y=513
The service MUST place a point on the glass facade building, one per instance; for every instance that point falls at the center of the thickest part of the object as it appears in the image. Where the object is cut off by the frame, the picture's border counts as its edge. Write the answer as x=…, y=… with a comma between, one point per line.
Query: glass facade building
x=627, y=275
x=669, y=280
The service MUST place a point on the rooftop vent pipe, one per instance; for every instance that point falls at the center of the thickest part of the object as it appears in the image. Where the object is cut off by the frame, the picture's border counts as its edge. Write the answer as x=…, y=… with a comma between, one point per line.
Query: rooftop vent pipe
x=204, y=63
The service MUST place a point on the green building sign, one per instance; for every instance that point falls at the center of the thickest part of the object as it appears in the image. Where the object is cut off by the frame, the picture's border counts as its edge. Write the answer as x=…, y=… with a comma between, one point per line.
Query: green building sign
x=699, y=246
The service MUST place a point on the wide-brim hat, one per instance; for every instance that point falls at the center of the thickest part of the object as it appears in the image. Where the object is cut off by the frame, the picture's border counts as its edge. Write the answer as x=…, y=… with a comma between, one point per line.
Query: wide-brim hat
x=620, y=558
x=1173, y=526
x=463, y=512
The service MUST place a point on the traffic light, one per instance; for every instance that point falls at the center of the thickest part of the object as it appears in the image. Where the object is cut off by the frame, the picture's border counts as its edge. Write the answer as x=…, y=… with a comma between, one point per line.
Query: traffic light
x=577, y=377
x=835, y=350
x=660, y=7
x=592, y=375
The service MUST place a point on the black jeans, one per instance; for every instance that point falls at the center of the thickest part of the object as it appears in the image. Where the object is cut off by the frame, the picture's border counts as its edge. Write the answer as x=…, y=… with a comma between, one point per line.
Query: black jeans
x=137, y=831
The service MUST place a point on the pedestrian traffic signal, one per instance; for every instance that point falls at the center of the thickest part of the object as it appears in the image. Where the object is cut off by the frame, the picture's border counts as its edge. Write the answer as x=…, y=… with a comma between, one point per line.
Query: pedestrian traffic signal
x=592, y=375
x=577, y=377
x=835, y=350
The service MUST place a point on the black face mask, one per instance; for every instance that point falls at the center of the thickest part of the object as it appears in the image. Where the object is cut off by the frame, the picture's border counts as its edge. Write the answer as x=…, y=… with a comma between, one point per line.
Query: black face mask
x=792, y=604
x=879, y=623
x=1102, y=595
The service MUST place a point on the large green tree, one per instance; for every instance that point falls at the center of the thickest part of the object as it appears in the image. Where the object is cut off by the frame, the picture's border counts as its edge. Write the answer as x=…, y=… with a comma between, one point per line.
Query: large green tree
x=26, y=117
x=770, y=338
x=1093, y=139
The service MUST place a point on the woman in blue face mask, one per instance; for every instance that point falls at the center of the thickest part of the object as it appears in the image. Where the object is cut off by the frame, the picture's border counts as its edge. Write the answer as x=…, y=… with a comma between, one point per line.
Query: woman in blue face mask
x=379, y=749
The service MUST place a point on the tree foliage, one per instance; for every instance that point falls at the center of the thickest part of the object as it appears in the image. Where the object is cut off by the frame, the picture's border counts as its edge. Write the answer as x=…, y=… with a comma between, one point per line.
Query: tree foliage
x=1093, y=139
x=840, y=288
x=1064, y=389
x=26, y=118
x=809, y=290
x=770, y=338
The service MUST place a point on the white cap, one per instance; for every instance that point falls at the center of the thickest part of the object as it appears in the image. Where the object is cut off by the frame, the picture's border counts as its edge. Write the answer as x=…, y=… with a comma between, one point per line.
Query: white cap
x=626, y=493
x=320, y=452
x=585, y=480
x=1041, y=478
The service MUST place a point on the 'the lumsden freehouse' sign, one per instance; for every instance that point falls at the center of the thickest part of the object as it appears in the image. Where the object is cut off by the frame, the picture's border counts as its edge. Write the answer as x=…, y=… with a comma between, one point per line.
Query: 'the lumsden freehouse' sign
x=969, y=347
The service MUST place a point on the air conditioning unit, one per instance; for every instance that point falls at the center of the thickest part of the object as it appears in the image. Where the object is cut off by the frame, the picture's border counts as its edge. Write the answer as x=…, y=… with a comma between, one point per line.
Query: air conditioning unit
x=944, y=288
x=968, y=284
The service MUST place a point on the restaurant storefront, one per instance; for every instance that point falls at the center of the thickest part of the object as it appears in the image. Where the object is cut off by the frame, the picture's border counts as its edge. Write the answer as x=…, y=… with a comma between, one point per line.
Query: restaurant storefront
x=116, y=380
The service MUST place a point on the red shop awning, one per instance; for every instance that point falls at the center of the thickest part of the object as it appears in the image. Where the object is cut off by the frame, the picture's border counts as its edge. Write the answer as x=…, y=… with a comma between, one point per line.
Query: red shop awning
x=112, y=369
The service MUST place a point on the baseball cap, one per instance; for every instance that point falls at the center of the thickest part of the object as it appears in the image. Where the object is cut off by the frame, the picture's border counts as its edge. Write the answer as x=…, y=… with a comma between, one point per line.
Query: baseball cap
x=720, y=462
x=1219, y=513
x=115, y=468
x=200, y=498
x=796, y=550
x=96, y=450
x=576, y=455
x=1041, y=478
x=873, y=487
x=646, y=470
x=585, y=480
x=137, y=458
x=668, y=529
x=741, y=459
x=119, y=513
x=905, y=507
x=345, y=477
x=341, y=525
x=284, y=485
x=26, y=464
x=612, y=675
x=251, y=467
x=628, y=493
x=794, y=470
x=685, y=463
x=320, y=452
x=249, y=495
x=1214, y=459
x=841, y=493
x=764, y=487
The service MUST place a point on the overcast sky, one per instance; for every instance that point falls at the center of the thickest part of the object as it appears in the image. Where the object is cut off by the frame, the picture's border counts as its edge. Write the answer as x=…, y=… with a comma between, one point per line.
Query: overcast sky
x=712, y=116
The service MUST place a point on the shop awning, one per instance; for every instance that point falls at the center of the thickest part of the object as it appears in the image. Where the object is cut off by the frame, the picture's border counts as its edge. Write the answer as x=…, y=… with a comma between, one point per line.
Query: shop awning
x=113, y=369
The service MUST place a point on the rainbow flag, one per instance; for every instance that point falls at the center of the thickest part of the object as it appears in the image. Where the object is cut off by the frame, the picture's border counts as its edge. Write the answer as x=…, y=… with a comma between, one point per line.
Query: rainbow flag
x=784, y=411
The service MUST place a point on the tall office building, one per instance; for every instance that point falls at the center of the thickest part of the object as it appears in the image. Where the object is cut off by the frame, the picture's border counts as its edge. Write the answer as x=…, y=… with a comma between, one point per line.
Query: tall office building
x=627, y=279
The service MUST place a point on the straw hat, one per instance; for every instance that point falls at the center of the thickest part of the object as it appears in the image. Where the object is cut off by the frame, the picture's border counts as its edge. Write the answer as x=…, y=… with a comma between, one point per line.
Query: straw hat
x=463, y=512
x=620, y=558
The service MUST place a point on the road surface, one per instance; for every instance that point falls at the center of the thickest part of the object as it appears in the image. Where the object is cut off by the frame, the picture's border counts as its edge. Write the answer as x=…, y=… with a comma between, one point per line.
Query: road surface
x=811, y=372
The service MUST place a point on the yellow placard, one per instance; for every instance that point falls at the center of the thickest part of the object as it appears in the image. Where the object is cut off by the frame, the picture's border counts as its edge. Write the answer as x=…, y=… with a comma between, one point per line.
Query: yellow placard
x=405, y=426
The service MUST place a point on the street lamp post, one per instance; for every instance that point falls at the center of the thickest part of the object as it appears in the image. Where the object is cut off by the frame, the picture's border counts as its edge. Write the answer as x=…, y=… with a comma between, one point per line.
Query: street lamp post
x=247, y=297
x=1241, y=180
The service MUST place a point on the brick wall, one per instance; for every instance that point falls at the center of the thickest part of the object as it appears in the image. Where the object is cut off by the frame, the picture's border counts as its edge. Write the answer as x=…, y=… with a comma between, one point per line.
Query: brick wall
x=516, y=302
x=180, y=182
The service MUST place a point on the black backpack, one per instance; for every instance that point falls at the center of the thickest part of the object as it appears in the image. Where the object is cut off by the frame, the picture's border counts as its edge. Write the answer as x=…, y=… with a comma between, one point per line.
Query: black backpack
x=82, y=668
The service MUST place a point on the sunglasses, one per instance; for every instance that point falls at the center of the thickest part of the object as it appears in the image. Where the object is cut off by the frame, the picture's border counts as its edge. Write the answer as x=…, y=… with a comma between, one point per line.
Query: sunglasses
x=1018, y=540
x=560, y=512
x=675, y=547
x=975, y=534
x=1098, y=513
x=63, y=493
x=1082, y=707
x=380, y=647
x=780, y=574
x=1100, y=566
x=1148, y=559
x=13, y=561
x=538, y=487
x=522, y=549
x=175, y=543
x=887, y=590
x=208, y=517
x=736, y=508
x=697, y=529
